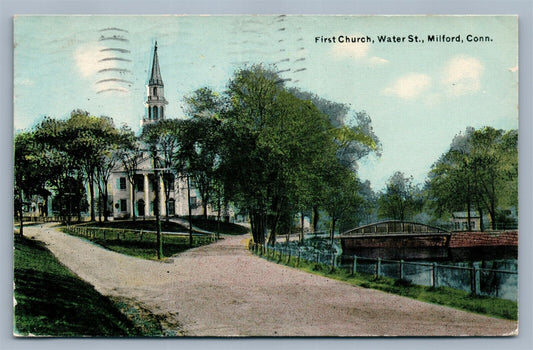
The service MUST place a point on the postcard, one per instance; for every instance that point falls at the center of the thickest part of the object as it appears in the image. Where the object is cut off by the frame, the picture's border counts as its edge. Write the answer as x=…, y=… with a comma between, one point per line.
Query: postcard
x=265, y=176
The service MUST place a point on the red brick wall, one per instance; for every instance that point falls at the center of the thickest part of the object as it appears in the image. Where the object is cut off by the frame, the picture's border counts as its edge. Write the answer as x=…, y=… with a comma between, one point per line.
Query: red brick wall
x=483, y=239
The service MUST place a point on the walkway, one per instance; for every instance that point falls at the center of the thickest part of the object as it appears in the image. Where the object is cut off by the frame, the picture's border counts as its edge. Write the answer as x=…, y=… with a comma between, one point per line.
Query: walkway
x=223, y=290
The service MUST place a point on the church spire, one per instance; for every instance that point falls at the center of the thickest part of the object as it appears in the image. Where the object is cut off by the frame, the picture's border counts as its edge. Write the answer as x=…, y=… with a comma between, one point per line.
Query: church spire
x=155, y=77
x=155, y=94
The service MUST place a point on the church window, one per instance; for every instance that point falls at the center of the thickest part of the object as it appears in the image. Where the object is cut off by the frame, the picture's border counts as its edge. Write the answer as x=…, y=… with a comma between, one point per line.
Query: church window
x=171, y=207
x=155, y=113
x=121, y=183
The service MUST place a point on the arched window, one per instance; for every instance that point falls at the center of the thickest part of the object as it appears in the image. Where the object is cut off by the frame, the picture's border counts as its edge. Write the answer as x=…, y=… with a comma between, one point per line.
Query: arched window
x=155, y=91
x=155, y=113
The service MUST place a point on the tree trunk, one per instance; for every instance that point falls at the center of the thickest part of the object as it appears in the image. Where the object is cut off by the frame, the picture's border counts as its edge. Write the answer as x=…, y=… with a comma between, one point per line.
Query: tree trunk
x=333, y=221
x=468, y=208
x=21, y=215
x=481, y=227
x=302, y=228
x=159, y=243
x=316, y=216
x=218, y=218
x=106, y=198
x=190, y=209
x=91, y=194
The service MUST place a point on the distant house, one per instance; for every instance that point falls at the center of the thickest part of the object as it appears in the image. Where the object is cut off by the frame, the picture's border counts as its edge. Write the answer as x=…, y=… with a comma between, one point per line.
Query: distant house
x=459, y=221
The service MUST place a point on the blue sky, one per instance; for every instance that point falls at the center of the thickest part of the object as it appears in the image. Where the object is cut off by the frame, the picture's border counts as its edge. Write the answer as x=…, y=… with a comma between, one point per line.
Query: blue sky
x=419, y=95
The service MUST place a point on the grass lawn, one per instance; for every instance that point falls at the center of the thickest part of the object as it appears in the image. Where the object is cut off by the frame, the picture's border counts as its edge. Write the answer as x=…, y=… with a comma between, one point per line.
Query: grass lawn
x=134, y=244
x=51, y=301
x=226, y=228
x=458, y=299
x=139, y=224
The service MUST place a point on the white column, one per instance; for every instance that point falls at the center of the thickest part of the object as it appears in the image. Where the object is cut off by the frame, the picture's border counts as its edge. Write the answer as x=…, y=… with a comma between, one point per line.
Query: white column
x=146, y=197
x=132, y=188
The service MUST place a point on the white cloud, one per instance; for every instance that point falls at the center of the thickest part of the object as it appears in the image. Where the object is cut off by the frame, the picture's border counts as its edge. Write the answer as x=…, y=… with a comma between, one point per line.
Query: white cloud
x=409, y=86
x=351, y=50
x=26, y=82
x=375, y=61
x=462, y=75
x=88, y=59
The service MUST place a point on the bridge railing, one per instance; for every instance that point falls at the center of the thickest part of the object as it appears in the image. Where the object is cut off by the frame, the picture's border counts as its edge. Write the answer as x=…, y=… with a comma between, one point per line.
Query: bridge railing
x=472, y=278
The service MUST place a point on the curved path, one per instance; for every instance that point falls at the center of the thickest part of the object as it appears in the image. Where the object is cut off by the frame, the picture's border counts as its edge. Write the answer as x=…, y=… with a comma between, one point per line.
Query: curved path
x=223, y=290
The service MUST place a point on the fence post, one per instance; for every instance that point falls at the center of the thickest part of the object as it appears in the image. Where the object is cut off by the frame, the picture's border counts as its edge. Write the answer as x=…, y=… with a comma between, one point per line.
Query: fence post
x=354, y=265
x=434, y=275
x=378, y=267
x=401, y=269
x=473, y=279
x=298, y=261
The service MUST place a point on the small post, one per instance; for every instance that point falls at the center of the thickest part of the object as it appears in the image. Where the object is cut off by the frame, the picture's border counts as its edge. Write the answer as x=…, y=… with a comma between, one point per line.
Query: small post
x=433, y=275
x=401, y=269
x=298, y=261
x=378, y=267
x=475, y=280
x=354, y=265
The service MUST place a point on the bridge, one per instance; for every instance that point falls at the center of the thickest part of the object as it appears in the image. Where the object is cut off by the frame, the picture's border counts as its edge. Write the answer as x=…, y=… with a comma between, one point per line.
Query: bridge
x=396, y=240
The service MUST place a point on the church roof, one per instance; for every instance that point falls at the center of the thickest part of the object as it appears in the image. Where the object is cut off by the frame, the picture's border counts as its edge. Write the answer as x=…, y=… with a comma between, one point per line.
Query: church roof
x=155, y=77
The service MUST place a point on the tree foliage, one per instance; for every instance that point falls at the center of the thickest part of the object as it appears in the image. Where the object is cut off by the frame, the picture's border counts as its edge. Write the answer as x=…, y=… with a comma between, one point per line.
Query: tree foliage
x=478, y=172
x=401, y=198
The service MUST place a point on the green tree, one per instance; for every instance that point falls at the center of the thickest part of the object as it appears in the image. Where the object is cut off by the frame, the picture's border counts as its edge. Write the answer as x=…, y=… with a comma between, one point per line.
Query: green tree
x=129, y=155
x=480, y=171
x=29, y=173
x=341, y=196
x=401, y=198
x=202, y=144
x=163, y=139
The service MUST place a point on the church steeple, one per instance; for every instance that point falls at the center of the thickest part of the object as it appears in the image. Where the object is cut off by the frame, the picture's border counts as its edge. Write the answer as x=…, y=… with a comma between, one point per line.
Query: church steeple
x=155, y=77
x=155, y=102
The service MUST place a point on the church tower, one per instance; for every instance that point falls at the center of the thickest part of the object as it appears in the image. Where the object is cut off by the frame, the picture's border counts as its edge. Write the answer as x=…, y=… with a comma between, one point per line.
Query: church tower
x=155, y=101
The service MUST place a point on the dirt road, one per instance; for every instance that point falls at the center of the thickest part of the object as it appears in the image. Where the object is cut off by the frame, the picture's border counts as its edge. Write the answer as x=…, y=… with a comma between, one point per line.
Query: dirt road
x=223, y=290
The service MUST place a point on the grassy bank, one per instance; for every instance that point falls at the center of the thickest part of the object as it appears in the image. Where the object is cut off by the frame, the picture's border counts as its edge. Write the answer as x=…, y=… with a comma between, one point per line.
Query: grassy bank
x=51, y=301
x=225, y=228
x=458, y=299
x=139, y=245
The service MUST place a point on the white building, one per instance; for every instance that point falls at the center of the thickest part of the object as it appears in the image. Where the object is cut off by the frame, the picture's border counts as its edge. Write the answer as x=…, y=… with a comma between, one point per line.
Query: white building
x=142, y=192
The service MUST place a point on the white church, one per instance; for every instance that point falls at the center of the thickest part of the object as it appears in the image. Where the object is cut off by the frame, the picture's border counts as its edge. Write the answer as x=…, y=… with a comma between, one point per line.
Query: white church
x=143, y=190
